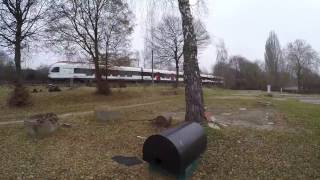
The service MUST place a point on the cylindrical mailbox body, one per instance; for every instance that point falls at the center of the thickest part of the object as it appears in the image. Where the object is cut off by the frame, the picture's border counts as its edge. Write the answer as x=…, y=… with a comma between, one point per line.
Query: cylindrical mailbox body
x=175, y=149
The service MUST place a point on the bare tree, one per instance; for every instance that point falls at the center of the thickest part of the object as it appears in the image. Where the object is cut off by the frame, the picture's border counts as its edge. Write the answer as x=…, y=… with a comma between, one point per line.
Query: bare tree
x=193, y=88
x=192, y=78
x=85, y=24
x=222, y=52
x=273, y=58
x=167, y=41
x=221, y=67
x=246, y=75
x=19, y=24
x=117, y=30
x=300, y=56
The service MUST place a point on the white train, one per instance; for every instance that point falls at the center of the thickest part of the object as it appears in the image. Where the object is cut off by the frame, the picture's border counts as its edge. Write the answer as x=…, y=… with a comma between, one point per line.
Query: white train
x=85, y=72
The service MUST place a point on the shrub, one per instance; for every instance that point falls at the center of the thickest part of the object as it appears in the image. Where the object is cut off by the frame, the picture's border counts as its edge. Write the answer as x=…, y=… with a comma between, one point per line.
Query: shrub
x=103, y=88
x=122, y=85
x=269, y=95
x=19, y=97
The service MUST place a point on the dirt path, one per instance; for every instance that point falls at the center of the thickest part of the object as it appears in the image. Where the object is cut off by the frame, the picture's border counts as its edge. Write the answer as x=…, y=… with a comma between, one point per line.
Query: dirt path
x=66, y=115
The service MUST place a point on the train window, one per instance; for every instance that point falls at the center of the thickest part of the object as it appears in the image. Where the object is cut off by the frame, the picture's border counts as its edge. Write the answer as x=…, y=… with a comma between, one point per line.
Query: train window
x=135, y=73
x=147, y=74
x=56, y=69
x=77, y=71
x=113, y=72
x=123, y=73
x=88, y=72
x=129, y=73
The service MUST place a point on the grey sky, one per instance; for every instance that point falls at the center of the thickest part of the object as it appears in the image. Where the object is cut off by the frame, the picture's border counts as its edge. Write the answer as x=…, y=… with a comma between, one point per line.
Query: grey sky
x=244, y=25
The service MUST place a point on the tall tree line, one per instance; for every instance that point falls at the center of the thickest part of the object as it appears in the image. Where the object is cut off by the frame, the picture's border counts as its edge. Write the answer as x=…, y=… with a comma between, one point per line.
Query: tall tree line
x=295, y=65
x=273, y=58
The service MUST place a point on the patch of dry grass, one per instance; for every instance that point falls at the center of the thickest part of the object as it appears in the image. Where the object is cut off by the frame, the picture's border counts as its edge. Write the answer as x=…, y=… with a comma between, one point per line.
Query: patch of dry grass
x=79, y=100
x=85, y=150
x=251, y=154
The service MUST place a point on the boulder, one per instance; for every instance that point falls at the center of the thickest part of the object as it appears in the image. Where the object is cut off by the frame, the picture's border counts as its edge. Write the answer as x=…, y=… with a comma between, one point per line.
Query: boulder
x=164, y=120
x=35, y=91
x=208, y=115
x=106, y=113
x=42, y=124
x=214, y=126
x=53, y=88
x=66, y=125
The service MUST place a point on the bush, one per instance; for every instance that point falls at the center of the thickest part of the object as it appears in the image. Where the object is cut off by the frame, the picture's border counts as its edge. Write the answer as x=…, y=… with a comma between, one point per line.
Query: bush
x=103, y=88
x=269, y=95
x=19, y=97
x=122, y=85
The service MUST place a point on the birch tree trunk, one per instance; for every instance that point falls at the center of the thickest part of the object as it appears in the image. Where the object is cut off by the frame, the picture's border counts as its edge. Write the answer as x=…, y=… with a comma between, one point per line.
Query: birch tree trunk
x=193, y=87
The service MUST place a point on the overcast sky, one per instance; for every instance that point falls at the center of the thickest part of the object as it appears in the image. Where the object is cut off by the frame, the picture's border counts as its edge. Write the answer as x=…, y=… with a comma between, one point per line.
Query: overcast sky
x=244, y=25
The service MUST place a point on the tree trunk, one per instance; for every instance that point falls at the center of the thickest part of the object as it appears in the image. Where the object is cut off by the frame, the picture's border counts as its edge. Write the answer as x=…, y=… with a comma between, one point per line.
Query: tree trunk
x=299, y=78
x=17, y=53
x=106, y=61
x=17, y=61
x=106, y=65
x=177, y=75
x=177, y=67
x=97, y=70
x=102, y=86
x=193, y=87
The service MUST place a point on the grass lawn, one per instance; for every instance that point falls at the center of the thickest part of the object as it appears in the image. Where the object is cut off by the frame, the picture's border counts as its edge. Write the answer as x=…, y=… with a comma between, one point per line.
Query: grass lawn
x=76, y=100
x=85, y=150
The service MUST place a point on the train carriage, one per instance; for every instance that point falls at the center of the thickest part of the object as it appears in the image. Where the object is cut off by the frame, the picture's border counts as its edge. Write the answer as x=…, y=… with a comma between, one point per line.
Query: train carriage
x=62, y=71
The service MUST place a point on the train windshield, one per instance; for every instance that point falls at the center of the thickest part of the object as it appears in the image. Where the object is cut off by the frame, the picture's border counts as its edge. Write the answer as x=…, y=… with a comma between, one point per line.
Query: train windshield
x=55, y=69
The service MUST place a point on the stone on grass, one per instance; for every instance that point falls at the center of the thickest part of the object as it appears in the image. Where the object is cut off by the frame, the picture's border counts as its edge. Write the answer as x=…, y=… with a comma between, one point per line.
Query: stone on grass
x=53, y=88
x=35, y=91
x=42, y=124
x=66, y=125
x=224, y=125
x=214, y=126
x=106, y=114
x=270, y=123
x=164, y=120
x=213, y=119
x=142, y=137
x=207, y=115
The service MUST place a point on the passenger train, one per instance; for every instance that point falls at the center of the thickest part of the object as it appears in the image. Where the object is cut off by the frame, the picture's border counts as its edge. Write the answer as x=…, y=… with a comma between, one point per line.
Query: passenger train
x=85, y=72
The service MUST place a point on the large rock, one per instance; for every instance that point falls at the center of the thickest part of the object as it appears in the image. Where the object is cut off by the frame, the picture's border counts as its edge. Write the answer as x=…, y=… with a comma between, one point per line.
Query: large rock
x=42, y=124
x=106, y=113
x=53, y=88
x=164, y=120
